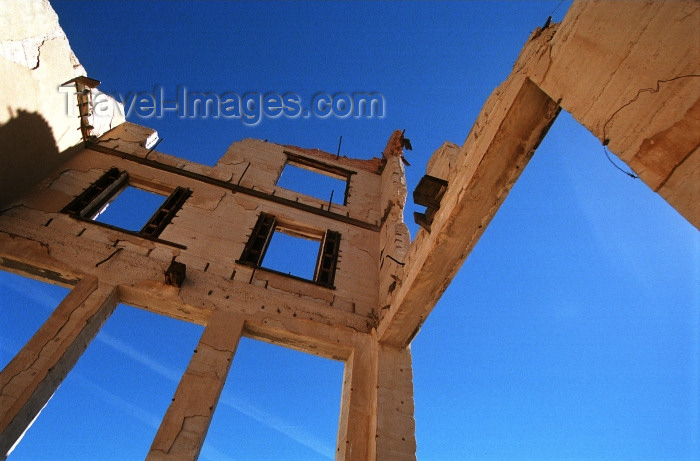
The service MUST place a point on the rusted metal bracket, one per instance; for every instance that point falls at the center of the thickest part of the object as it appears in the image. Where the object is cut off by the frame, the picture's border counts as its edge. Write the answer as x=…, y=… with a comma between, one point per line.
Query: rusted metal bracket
x=176, y=274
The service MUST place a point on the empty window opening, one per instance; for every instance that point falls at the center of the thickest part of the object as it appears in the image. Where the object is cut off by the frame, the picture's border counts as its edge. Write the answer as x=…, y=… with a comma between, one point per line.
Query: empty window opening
x=112, y=402
x=314, y=182
x=112, y=200
x=131, y=209
x=293, y=249
x=278, y=404
x=292, y=255
x=25, y=305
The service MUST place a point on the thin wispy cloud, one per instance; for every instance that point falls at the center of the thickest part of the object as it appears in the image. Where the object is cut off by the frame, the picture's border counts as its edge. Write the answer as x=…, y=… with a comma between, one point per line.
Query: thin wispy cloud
x=27, y=290
x=149, y=419
x=280, y=425
x=269, y=420
x=138, y=356
x=210, y=453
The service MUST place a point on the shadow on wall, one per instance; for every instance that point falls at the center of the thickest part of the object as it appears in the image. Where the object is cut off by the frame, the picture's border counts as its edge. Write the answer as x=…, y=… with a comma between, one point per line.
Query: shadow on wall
x=28, y=153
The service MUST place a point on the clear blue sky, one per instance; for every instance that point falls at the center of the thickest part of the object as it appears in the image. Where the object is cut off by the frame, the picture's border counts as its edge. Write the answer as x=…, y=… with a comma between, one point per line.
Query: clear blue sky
x=571, y=332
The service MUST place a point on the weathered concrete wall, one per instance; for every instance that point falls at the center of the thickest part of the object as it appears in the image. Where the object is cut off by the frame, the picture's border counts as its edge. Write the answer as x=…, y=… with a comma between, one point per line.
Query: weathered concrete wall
x=208, y=235
x=395, y=427
x=394, y=237
x=630, y=73
x=37, y=127
x=213, y=225
x=258, y=164
x=376, y=420
x=443, y=160
x=184, y=427
x=513, y=121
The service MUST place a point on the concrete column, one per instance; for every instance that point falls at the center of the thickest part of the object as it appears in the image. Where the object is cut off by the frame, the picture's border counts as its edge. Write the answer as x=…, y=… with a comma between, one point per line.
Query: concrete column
x=376, y=415
x=185, y=425
x=31, y=378
x=358, y=403
x=396, y=426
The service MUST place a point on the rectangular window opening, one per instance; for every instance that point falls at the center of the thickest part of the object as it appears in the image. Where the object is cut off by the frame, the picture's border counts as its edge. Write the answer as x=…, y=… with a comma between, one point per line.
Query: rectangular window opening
x=114, y=201
x=293, y=249
x=112, y=402
x=130, y=209
x=315, y=181
x=291, y=254
x=278, y=404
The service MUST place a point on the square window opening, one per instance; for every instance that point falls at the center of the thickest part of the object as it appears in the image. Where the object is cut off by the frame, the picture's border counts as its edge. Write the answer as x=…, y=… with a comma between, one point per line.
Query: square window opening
x=315, y=182
x=292, y=254
x=287, y=409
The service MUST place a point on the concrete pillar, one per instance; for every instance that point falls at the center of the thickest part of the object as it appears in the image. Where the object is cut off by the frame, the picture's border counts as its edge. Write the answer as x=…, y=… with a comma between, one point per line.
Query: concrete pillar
x=376, y=416
x=184, y=427
x=396, y=426
x=31, y=378
x=358, y=403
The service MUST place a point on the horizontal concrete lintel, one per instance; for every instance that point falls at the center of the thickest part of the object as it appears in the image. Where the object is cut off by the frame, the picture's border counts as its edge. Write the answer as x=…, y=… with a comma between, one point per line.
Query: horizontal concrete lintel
x=37, y=272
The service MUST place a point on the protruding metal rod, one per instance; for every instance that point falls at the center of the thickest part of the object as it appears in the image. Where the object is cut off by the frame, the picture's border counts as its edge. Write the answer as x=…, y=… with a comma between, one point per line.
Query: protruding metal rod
x=340, y=141
x=331, y=200
x=244, y=171
x=154, y=146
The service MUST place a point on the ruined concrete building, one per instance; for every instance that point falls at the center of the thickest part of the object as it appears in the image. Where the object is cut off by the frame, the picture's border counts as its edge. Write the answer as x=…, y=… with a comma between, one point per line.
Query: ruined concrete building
x=629, y=72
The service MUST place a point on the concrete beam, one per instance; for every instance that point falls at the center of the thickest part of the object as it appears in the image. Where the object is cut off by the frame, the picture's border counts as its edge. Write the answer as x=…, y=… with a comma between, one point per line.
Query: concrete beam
x=185, y=425
x=32, y=377
x=511, y=125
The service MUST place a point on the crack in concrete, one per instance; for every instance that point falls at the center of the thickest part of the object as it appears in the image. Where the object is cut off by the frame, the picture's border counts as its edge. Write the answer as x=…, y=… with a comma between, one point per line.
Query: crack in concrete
x=58, y=177
x=179, y=432
x=111, y=120
x=675, y=167
x=13, y=207
x=655, y=89
x=99, y=140
x=626, y=54
x=110, y=256
x=364, y=251
x=38, y=53
x=232, y=163
x=216, y=205
x=216, y=348
x=19, y=51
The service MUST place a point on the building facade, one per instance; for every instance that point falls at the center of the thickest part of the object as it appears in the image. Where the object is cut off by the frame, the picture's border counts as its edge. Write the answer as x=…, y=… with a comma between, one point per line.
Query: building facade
x=201, y=255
